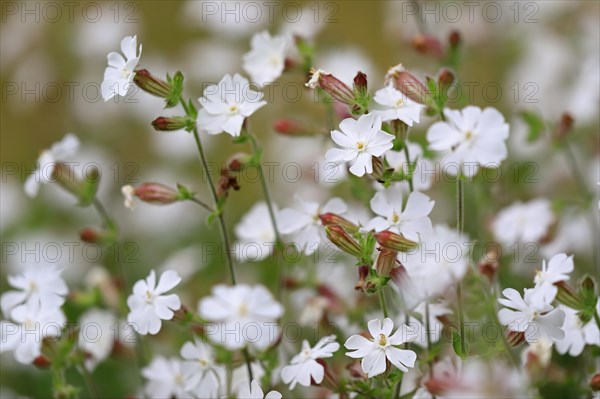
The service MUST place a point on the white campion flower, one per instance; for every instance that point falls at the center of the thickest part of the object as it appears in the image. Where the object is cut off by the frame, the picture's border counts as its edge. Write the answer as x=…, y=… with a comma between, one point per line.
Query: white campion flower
x=129, y=194
x=419, y=328
x=36, y=283
x=361, y=140
x=97, y=335
x=380, y=347
x=440, y=261
x=524, y=315
x=523, y=222
x=254, y=391
x=202, y=374
x=266, y=59
x=243, y=315
x=304, y=224
x=423, y=167
x=391, y=104
x=557, y=270
x=33, y=322
x=412, y=220
x=470, y=138
x=226, y=104
x=256, y=236
x=540, y=351
x=304, y=368
x=577, y=334
x=148, y=306
x=165, y=379
x=119, y=73
x=46, y=163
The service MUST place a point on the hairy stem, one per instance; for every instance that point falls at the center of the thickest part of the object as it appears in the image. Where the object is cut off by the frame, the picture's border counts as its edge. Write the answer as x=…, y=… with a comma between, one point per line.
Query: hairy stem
x=460, y=228
x=382, y=303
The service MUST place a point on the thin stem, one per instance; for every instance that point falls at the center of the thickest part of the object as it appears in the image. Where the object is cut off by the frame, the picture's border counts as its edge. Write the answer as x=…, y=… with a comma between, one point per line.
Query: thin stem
x=89, y=382
x=382, y=303
x=106, y=219
x=202, y=204
x=428, y=335
x=397, y=389
x=410, y=171
x=248, y=365
x=460, y=228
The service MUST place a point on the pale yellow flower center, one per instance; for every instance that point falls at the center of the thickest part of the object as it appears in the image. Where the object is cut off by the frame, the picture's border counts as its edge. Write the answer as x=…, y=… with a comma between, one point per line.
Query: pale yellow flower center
x=395, y=217
x=399, y=103
x=360, y=145
x=149, y=296
x=382, y=340
x=243, y=310
x=233, y=108
x=468, y=134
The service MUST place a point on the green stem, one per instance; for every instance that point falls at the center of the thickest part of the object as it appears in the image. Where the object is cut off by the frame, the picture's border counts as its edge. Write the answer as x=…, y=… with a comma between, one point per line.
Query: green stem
x=397, y=389
x=89, y=382
x=202, y=204
x=106, y=219
x=248, y=365
x=428, y=334
x=460, y=228
x=597, y=318
x=382, y=303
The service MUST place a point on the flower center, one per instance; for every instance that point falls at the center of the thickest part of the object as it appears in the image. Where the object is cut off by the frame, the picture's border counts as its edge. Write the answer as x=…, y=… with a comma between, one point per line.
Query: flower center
x=149, y=296
x=395, y=217
x=243, y=310
x=399, y=103
x=179, y=379
x=233, y=109
x=468, y=134
x=382, y=340
x=33, y=286
x=274, y=60
x=29, y=324
x=360, y=145
x=125, y=73
x=203, y=362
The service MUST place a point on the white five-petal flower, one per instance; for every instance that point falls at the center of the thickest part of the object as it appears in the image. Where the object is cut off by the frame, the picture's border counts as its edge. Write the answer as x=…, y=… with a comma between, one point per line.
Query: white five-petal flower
x=202, y=374
x=254, y=391
x=557, y=270
x=304, y=367
x=165, y=379
x=226, y=104
x=46, y=163
x=412, y=222
x=255, y=234
x=577, y=334
x=97, y=335
x=148, y=306
x=523, y=222
x=470, y=138
x=361, y=140
x=391, y=104
x=119, y=73
x=375, y=352
x=266, y=59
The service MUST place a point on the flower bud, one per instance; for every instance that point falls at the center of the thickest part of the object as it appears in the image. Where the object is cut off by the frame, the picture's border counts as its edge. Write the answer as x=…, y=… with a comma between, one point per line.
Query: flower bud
x=331, y=85
x=290, y=127
x=445, y=79
x=488, y=265
x=568, y=296
x=399, y=277
x=454, y=39
x=429, y=45
x=151, y=84
x=343, y=241
x=360, y=84
x=397, y=242
x=156, y=193
x=238, y=161
x=408, y=84
x=386, y=261
x=355, y=371
x=226, y=182
x=378, y=168
x=595, y=382
x=331, y=219
x=564, y=126
x=94, y=236
x=42, y=362
x=169, y=124
x=363, y=273
x=515, y=338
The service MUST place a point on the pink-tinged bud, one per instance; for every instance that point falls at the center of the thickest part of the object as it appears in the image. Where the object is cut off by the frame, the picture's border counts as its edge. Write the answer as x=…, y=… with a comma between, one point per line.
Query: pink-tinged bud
x=396, y=242
x=343, y=241
x=331, y=85
x=515, y=338
x=41, y=362
x=429, y=45
x=360, y=82
x=238, y=161
x=595, y=383
x=331, y=219
x=363, y=273
x=156, y=193
x=488, y=265
x=445, y=79
x=355, y=371
x=400, y=277
x=151, y=84
x=342, y=111
x=93, y=236
x=564, y=126
x=386, y=262
x=408, y=84
x=290, y=127
x=454, y=39
x=568, y=296
x=169, y=124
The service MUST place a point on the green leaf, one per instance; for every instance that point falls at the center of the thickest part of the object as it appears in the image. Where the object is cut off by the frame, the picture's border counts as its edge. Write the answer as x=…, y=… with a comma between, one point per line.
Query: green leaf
x=535, y=123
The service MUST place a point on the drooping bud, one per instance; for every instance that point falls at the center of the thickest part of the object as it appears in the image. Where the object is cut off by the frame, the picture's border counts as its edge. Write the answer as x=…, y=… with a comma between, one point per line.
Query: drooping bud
x=396, y=242
x=291, y=127
x=429, y=45
x=331, y=219
x=343, y=241
x=363, y=273
x=360, y=83
x=515, y=338
x=408, y=84
x=42, y=362
x=564, y=126
x=386, y=261
x=595, y=382
x=156, y=193
x=151, y=84
x=445, y=79
x=454, y=39
x=331, y=85
x=399, y=277
x=169, y=124
x=238, y=161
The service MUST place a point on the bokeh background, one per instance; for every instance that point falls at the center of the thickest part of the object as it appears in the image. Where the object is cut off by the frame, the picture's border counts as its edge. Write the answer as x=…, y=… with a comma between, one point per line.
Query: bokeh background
x=541, y=57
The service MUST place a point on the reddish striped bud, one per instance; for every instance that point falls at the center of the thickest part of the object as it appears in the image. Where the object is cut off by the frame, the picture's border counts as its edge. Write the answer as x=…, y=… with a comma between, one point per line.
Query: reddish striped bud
x=151, y=84
x=168, y=124
x=331, y=219
x=331, y=85
x=595, y=383
x=429, y=45
x=363, y=273
x=290, y=127
x=343, y=240
x=408, y=84
x=42, y=362
x=156, y=193
x=515, y=338
x=396, y=242
x=386, y=262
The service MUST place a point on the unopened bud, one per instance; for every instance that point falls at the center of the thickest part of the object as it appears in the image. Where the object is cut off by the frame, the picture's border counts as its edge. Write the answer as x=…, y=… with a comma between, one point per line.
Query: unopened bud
x=397, y=242
x=156, y=193
x=378, y=168
x=363, y=273
x=564, y=126
x=360, y=83
x=355, y=371
x=42, y=362
x=290, y=127
x=151, y=84
x=454, y=39
x=238, y=161
x=399, y=277
x=331, y=219
x=515, y=338
x=343, y=241
x=94, y=236
x=407, y=83
x=595, y=383
x=445, y=79
x=386, y=261
x=488, y=265
x=227, y=181
x=429, y=45
x=169, y=124
x=568, y=296
x=331, y=85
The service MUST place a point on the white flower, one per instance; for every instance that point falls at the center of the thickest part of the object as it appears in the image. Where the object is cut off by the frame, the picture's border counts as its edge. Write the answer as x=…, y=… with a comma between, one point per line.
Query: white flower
x=313, y=82
x=305, y=225
x=577, y=334
x=304, y=368
x=97, y=335
x=391, y=104
x=255, y=233
x=360, y=141
x=47, y=161
x=129, y=193
x=523, y=315
x=165, y=379
x=149, y=306
x=419, y=328
x=119, y=73
x=382, y=346
x=33, y=323
x=523, y=222
x=37, y=283
x=412, y=222
x=557, y=270
x=266, y=60
x=440, y=262
x=471, y=138
x=225, y=105
x=202, y=374
x=243, y=315
x=423, y=167
x=540, y=350
x=254, y=391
